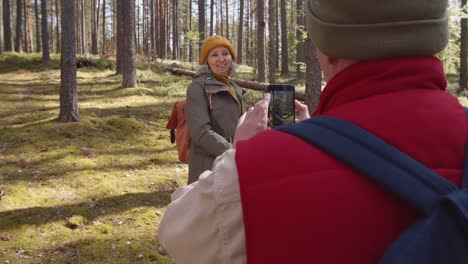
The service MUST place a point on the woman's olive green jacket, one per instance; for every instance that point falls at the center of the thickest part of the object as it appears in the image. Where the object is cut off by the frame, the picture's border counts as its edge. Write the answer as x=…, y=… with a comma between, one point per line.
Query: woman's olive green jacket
x=211, y=127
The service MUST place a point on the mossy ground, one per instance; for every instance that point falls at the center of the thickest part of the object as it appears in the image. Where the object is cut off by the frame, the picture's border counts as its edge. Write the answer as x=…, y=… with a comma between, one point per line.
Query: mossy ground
x=92, y=191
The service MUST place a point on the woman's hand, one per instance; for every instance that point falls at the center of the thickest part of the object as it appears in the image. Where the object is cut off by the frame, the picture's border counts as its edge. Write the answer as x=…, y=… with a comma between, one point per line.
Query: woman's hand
x=254, y=121
x=303, y=111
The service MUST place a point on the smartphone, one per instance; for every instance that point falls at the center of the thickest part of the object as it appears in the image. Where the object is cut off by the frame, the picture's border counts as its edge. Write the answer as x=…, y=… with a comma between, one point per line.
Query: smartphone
x=281, y=110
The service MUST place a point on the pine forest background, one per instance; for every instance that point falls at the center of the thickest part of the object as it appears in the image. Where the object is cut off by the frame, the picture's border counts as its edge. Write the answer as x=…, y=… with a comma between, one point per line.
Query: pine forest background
x=86, y=89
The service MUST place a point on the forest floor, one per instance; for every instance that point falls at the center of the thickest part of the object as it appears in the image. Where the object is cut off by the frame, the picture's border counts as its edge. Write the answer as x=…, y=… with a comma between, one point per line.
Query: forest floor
x=92, y=191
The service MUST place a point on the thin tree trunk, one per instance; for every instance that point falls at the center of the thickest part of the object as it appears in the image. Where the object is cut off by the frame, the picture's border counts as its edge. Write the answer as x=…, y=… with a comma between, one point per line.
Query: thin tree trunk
x=19, y=28
x=45, y=34
x=119, y=56
x=1, y=28
x=271, y=42
x=284, y=39
x=227, y=19
x=84, y=39
x=191, y=56
x=240, y=32
x=463, y=80
x=261, y=40
x=201, y=21
x=51, y=29
x=94, y=33
x=28, y=26
x=38, y=25
x=68, y=92
x=313, y=87
x=7, y=34
x=104, y=39
x=175, y=31
x=128, y=65
x=211, y=17
x=300, y=45
x=57, y=28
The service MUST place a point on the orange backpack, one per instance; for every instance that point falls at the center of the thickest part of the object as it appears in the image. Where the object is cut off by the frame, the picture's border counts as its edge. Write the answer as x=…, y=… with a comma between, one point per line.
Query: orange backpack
x=179, y=129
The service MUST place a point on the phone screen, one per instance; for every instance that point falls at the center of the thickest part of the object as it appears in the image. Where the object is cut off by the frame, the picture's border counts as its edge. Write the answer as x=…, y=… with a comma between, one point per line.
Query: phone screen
x=281, y=110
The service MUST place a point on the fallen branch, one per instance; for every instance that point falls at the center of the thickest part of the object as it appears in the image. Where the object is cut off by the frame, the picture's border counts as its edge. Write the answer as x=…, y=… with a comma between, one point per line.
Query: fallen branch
x=262, y=87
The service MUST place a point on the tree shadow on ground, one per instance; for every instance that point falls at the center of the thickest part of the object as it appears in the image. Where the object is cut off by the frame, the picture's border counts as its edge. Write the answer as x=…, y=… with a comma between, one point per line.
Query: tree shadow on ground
x=91, y=210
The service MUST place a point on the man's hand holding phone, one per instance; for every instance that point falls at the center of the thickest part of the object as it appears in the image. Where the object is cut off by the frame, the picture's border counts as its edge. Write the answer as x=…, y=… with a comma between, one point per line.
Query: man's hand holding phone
x=254, y=121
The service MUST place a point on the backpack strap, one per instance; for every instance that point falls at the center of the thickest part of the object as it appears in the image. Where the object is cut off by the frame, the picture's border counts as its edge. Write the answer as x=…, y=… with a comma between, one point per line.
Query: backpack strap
x=465, y=171
x=379, y=161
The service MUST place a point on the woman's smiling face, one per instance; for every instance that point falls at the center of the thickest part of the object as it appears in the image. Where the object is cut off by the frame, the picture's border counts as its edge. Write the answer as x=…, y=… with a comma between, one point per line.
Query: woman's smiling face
x=219, y=60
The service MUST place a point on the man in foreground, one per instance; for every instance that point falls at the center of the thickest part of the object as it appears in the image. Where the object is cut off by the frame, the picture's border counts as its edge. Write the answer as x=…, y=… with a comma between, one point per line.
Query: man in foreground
x=276, y=199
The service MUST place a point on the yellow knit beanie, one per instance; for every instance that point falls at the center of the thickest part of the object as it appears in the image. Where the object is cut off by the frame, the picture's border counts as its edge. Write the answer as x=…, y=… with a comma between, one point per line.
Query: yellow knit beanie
x=212, y=42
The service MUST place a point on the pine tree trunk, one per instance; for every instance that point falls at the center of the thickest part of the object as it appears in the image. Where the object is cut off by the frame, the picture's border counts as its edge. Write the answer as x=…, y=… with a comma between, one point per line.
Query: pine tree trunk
x=261, y=40
x=284, y=39
x=191, y=56
x=227, y=19
x=211, y=17
x=128, y=40
x=240, y=32
x=119, y=43
x=57, y=28
x=38, y=34
x=19, y=26
x=271, y=42
x=175, y=31
x=28, y=26
x=300, y=41
x=313, y=87
x=104, y=40
x=68, y=92
x=1, y=28
x=463, y=80
x=7, y=36
x=45, y=34
x=201, y=21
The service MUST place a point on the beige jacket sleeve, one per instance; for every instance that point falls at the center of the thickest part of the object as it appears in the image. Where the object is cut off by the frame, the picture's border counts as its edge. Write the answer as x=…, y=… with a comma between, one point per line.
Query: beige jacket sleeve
x=203, y=223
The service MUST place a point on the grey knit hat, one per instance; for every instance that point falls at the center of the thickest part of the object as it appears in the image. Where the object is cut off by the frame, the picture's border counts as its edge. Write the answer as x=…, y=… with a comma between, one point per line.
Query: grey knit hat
x=375, y=29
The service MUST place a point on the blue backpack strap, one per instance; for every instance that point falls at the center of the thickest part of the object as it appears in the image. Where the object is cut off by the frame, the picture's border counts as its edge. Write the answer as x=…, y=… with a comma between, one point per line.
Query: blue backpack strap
x=372, y=157
x=465, y=171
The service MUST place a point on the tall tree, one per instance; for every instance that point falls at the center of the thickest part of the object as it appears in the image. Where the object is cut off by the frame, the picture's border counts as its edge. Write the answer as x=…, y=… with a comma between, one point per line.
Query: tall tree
x=7, y=36
x=57, y=27
x=38, y=26
x=272, y=41
x=128, y=32
x=119, y=27
x=175, y=30
x=313, y=87
x=19, y=26
x=227, y=18
x=45, y=34
x=95, y=27
x=84, y=39
x=240, y=32
x=103, y=49
x=261, y=40
x=68, y=92
x=463, y=80
x=189, y=14
x=201, y=21
x=284, y=39
x=211, y=16
x=300, y=21
x=1, y=29
x=28, y=40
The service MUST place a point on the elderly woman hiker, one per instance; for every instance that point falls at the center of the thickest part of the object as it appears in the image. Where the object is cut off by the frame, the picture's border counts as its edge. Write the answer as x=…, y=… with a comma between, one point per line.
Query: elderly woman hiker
x=213, y=105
